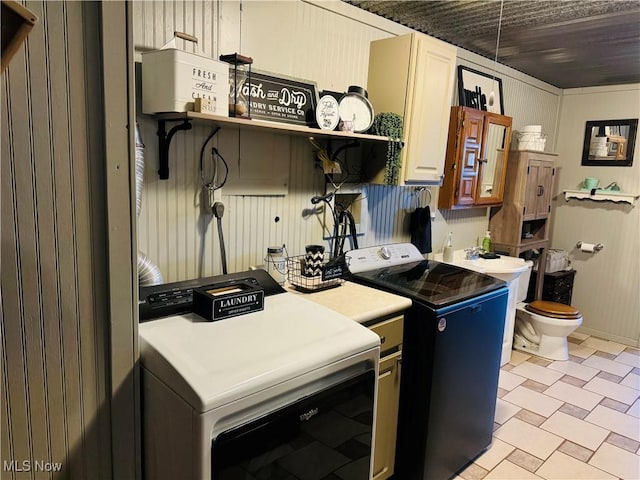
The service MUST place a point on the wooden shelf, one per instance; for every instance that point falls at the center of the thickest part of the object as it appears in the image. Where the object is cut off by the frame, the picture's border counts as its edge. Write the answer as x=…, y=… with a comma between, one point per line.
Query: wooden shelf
x=17, y=22
x=525, y=244
x=260, y=125
x=273, y=127
x=600, y=196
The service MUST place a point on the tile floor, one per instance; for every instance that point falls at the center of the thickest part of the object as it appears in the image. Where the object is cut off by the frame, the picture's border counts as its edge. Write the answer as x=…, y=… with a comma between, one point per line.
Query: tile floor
x=572, y=420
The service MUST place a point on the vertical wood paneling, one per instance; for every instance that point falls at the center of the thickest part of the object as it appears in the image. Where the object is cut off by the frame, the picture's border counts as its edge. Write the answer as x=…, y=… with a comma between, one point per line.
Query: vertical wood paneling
x=249, y=223
x=5, y=412
x=614, y=315
x=18, y=332
x=15, y=387
x=54, y=358
x=329, y=48
x=389, y=209
x=58, y=147
x=63, y=263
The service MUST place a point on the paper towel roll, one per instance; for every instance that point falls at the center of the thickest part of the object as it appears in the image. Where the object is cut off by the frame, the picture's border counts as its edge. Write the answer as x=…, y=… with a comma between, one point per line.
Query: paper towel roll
x=588, y=247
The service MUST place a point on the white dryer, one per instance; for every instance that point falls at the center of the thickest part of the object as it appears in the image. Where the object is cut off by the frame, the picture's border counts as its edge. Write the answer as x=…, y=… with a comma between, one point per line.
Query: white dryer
x=286, y=392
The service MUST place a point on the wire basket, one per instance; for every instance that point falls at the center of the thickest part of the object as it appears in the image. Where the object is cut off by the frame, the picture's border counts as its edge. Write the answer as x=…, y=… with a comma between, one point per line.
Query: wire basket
x=300, y=281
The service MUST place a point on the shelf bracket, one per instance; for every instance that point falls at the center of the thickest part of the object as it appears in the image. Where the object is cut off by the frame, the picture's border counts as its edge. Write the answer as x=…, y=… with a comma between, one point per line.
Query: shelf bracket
x=334, y=155
x=164, y=141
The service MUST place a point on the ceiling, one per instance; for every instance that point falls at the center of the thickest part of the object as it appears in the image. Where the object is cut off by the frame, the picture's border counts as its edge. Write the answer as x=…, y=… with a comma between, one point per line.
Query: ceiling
x=567, y=43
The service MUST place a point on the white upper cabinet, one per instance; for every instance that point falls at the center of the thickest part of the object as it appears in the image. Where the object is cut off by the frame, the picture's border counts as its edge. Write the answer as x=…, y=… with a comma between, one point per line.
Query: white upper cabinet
x=413, y=75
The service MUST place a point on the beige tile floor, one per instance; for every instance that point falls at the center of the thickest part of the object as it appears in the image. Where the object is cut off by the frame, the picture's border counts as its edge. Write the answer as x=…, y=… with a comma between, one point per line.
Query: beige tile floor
x=572, y=420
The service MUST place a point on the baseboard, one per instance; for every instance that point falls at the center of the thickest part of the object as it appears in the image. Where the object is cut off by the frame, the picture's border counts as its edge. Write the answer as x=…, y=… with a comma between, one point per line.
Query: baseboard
x=632, y=342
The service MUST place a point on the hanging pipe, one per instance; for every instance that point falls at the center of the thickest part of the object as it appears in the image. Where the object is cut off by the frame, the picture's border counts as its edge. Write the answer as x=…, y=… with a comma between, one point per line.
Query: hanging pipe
x=148, y=272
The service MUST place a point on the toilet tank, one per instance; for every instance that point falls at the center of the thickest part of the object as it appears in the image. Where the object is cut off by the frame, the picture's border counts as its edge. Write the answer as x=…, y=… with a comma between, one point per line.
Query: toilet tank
x=523, y=282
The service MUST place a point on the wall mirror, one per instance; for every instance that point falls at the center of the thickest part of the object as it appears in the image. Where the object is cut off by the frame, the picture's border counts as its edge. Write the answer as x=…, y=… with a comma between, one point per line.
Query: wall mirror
x=494, y=153
x=492, y=170
x=609, y=143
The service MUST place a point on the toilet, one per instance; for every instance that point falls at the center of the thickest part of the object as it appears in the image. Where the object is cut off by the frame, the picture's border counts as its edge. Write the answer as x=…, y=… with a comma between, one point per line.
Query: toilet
x=542, y=327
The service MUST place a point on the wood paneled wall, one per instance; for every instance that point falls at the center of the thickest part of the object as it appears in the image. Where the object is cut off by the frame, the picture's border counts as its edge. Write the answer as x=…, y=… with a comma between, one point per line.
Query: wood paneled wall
x=55, y=402
x=55, y=361
x=327, y=42
x=607, y=283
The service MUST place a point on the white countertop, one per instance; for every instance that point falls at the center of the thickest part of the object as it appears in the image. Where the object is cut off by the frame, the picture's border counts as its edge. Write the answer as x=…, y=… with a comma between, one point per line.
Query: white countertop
x=358, y=302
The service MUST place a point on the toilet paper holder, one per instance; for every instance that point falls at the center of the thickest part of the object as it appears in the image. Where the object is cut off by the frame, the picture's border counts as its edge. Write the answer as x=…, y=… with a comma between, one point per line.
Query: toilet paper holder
x=588, y=247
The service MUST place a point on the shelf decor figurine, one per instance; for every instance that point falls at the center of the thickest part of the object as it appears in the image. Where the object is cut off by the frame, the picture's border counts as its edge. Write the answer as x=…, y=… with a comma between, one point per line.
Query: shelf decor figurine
x=390, y=125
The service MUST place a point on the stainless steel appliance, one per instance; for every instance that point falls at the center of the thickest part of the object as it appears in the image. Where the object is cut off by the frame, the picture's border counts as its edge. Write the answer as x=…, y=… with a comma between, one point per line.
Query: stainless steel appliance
x=286, y=392
x=451, y=357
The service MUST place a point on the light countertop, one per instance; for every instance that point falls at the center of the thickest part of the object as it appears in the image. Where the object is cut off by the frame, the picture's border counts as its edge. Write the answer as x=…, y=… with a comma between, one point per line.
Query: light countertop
x=358, y=302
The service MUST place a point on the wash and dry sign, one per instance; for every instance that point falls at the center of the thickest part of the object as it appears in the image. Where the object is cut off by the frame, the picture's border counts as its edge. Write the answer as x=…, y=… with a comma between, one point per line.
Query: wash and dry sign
x=281, y=99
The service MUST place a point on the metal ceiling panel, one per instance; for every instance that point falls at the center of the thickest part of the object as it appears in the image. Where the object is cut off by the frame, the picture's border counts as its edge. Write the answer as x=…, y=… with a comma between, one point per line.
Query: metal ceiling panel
x=566, y=43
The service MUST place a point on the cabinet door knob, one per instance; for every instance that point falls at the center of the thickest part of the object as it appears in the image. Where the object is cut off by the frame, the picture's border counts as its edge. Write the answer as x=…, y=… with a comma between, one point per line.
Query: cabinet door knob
x=540, y=190
x=382, y=339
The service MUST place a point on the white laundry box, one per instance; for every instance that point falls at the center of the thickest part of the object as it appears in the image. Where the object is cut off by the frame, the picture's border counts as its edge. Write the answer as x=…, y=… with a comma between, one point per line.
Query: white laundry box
x=172, y=79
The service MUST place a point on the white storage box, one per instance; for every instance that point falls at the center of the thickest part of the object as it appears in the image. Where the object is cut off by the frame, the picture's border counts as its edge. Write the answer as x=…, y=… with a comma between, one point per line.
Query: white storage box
x=172, y=79
x=537, y=129
x=531, y=141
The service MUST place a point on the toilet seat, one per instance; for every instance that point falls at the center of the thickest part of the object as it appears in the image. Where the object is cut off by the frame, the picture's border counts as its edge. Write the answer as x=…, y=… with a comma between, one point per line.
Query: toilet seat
x=553, y=310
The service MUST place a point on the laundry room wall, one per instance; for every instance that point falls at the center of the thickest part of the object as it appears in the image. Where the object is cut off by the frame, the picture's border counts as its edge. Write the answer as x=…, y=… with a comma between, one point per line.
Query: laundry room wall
x=55, y=358
x=327, y=42
x=606, y=284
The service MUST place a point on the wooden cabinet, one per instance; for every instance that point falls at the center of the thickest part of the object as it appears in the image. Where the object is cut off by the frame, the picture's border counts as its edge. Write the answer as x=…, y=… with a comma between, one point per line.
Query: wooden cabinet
x=537, y=201
x=413, y=75
x=390, y=331
x=477, y=152
x=523, y=221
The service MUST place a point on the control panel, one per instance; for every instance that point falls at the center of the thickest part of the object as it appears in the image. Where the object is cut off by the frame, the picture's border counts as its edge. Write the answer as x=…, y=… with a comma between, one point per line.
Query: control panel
x=156, y=301
x=371, y=258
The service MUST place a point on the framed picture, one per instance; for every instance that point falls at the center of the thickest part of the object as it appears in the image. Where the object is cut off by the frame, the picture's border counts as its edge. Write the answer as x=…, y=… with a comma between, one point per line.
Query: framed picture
x=475, y=88
x=609, y=143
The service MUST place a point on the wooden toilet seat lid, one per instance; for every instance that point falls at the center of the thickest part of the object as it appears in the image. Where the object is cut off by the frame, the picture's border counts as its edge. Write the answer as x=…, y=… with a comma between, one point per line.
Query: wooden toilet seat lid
x=553, y=309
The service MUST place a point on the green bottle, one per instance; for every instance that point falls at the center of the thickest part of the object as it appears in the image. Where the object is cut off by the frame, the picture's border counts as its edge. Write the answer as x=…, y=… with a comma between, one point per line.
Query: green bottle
x=486, y=242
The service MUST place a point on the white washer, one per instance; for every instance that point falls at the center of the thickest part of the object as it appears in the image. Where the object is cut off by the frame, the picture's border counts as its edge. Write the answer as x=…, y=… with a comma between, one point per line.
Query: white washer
x=281, y=381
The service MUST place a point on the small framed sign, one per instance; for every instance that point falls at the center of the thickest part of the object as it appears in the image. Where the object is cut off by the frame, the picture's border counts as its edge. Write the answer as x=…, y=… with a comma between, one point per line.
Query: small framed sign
x=278, y=98
x=335, y=268
x=215, y=303
x=475, y=89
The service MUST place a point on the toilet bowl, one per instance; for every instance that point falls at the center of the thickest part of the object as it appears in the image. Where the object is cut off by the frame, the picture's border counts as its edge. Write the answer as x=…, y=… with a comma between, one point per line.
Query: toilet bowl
x=542, y=327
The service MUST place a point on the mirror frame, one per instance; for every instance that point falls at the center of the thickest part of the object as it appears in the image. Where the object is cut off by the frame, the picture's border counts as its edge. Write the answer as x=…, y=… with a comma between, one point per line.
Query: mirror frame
x=631, y=141
x=500, y=171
